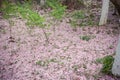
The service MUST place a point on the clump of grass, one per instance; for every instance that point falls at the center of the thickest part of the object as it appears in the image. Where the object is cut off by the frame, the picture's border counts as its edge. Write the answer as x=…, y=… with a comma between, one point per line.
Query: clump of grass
x=3, y=31
x=8, y=9
x=87, y=37
x=81, y=18
x=24, y=11
x=79, y=14
x=107, y=64
x=111, y=47
x=88, y=22
x=46, y=62
x=42, y=63
x=58, y=9
x=74, y=25
x=75, y=67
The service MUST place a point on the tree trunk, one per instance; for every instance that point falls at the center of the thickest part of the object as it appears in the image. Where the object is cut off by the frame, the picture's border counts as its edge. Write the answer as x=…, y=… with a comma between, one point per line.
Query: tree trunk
x=0, y=3
x=42, y=2
x=104, y=13
x=116, y=64
x=117, y=5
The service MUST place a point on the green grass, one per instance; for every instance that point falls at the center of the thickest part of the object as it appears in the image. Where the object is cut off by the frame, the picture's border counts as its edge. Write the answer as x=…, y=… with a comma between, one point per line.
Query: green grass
x=46, y=62
x=80, y=19
x=3, y=31
x=79, y=14
x=42, y=63
x=75, y=67
x=73, y=24
x=58, y=10
x=87, y=37
x=107, y=64
x=24, y=11
x=111, y=47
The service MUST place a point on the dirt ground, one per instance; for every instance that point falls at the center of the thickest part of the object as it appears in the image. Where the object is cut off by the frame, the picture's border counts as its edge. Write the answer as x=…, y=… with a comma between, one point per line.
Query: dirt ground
x=25, y=54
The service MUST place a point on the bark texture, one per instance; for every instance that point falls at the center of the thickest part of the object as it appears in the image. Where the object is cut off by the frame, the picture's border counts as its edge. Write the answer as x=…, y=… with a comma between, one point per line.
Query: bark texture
x=117, y=5
x=104, y=13
x=0, y=3
x=116, y=64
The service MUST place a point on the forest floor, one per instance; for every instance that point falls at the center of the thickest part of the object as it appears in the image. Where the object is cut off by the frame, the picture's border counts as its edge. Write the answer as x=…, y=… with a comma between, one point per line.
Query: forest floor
x=26, y=55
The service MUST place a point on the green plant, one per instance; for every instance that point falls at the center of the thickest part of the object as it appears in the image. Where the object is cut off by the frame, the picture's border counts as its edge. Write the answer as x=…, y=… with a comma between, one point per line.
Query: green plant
x=76, y=16
x=73, y=24
x=42, y=63
x=79, y=14
x=3, y=31
x=82, y=18
x=107, y=64
x=24, y=11
x=8, y=9
x=111, y=47
x=57, y=8
x=86, y=37
x=58, y=11
x=75, y=67
x=32, y=17
x=53, y=60
x=46, y=62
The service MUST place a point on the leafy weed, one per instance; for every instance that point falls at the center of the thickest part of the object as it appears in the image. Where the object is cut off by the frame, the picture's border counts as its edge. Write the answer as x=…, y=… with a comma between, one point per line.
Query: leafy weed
x=107, y=64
